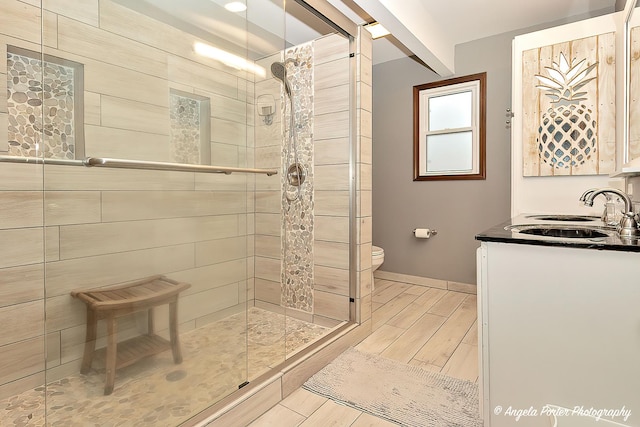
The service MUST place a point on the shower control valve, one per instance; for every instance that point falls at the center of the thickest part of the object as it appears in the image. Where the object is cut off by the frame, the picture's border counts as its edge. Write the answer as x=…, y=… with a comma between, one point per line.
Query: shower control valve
x=296, y=174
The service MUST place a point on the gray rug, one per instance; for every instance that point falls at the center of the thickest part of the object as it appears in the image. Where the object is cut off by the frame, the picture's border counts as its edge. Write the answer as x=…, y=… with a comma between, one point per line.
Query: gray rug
x=404, y=394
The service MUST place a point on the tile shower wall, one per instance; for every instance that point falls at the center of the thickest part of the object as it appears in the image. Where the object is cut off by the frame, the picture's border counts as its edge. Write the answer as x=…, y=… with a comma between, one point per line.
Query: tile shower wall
x=330, y=190
x=106, y=226
x=331, y=170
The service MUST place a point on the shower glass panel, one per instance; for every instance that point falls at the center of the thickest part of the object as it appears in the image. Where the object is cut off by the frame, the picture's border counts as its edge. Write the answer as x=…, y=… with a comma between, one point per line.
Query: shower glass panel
x=144, y=294
x=302, y=219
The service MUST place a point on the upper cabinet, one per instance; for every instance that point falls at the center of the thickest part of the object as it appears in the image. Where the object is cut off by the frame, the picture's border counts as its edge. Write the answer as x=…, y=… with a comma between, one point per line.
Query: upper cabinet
x=630, y=164
x=634, y=87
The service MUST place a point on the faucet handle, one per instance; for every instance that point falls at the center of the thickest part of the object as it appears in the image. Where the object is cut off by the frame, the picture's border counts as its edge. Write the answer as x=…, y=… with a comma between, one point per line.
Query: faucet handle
x=629, y=226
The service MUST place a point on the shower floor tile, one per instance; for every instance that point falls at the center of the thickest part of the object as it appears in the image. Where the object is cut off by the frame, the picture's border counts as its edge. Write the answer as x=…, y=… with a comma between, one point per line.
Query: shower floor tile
x=156, y=392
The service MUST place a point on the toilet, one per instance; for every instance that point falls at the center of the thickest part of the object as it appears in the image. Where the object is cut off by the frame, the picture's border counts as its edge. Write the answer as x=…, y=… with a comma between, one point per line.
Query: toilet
x=377, y=258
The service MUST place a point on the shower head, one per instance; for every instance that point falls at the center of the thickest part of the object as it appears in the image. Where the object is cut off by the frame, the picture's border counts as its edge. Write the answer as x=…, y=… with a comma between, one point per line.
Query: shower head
x=280, y=72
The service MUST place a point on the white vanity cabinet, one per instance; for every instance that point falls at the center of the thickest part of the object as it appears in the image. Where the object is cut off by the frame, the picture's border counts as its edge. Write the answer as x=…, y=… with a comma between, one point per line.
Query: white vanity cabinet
x=559, y=325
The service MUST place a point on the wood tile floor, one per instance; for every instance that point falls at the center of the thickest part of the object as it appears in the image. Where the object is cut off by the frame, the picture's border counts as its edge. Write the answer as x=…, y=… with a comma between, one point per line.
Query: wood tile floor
x=432, y=328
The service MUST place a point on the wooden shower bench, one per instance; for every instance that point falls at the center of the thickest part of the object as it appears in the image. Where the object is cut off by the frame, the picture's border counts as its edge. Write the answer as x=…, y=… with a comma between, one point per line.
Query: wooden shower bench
x=109, y=303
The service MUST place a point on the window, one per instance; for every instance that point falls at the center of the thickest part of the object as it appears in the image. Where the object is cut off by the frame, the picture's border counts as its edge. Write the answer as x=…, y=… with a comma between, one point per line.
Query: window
x=449, y=129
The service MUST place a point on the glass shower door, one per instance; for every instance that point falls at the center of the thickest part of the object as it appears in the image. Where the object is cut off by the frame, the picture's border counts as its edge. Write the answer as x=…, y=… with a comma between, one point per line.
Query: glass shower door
x=137, y=82
x=136, y=285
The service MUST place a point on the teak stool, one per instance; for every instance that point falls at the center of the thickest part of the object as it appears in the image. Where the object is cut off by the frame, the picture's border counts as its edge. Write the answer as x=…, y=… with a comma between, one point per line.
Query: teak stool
x=112, y=302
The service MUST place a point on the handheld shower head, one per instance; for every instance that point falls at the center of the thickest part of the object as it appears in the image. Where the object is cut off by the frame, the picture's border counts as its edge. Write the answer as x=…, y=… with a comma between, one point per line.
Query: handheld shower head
x=280, y=72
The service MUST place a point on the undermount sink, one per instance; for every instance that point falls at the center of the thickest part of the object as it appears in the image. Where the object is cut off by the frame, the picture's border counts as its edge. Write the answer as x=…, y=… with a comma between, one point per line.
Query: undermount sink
x=571, y=218
x=560, y=231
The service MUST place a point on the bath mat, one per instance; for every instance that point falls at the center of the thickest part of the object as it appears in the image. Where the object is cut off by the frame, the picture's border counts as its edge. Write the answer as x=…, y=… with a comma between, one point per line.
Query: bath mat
x=403, y=394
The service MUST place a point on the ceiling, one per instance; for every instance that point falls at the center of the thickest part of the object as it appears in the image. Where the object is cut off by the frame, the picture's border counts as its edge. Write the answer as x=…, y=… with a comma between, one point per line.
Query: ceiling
x=445, y=24
x=428, y=29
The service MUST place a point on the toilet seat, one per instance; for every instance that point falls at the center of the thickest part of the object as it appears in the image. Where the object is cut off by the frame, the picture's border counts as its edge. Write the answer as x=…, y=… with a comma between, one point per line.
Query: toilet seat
x=377, y=258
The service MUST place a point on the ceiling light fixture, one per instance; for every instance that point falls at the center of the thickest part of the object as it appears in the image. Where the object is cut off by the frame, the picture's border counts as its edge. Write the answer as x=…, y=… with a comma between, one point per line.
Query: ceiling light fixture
x=228, y=59
x=235, y=6
x=377, y=30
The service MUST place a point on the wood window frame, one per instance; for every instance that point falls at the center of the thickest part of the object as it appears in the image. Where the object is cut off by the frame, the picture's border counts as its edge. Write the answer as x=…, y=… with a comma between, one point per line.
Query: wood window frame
x=479, y=155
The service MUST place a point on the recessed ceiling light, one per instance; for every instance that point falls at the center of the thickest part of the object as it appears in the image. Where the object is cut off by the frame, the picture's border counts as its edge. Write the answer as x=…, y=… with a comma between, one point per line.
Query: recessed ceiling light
x=235, y=6
x=377, y=30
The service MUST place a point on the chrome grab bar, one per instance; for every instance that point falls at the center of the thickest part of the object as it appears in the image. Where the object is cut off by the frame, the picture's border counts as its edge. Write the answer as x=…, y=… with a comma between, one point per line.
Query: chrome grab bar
x=135, y=164
x=40, y=160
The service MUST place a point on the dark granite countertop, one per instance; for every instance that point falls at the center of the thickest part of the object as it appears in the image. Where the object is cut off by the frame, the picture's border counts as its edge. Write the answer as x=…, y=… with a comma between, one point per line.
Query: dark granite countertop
x=507, y=232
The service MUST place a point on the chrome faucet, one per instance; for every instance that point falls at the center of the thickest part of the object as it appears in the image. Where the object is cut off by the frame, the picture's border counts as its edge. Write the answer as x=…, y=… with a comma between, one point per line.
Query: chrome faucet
x=603, y=217
x=587, y=193
x=628, y=226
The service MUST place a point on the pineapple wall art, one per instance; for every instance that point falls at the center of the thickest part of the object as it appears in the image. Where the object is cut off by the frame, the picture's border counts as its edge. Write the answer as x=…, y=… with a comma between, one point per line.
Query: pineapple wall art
x=569, y=108
x=567, y=132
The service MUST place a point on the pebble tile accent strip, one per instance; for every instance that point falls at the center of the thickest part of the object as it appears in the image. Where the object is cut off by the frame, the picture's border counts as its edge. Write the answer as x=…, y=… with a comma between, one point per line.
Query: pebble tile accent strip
x=297, y=250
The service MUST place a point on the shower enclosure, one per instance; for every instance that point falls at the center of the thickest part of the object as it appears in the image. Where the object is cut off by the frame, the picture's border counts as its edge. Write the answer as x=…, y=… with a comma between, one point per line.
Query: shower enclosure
x=216, y=149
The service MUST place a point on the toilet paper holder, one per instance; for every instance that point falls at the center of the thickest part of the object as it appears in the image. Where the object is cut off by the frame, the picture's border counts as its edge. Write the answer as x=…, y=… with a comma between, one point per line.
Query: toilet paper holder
x=424, y=233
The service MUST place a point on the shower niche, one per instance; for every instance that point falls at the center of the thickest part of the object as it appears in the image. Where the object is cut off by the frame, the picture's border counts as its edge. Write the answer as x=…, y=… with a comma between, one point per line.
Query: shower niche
x=190, y=137
x=44, y=105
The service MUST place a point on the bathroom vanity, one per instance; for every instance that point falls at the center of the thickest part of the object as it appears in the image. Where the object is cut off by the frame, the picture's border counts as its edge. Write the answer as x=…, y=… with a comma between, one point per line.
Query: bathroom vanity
x=559, y=322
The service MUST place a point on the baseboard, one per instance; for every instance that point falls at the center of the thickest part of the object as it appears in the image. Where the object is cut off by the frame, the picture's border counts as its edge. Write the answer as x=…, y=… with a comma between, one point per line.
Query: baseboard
x=426, y=281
